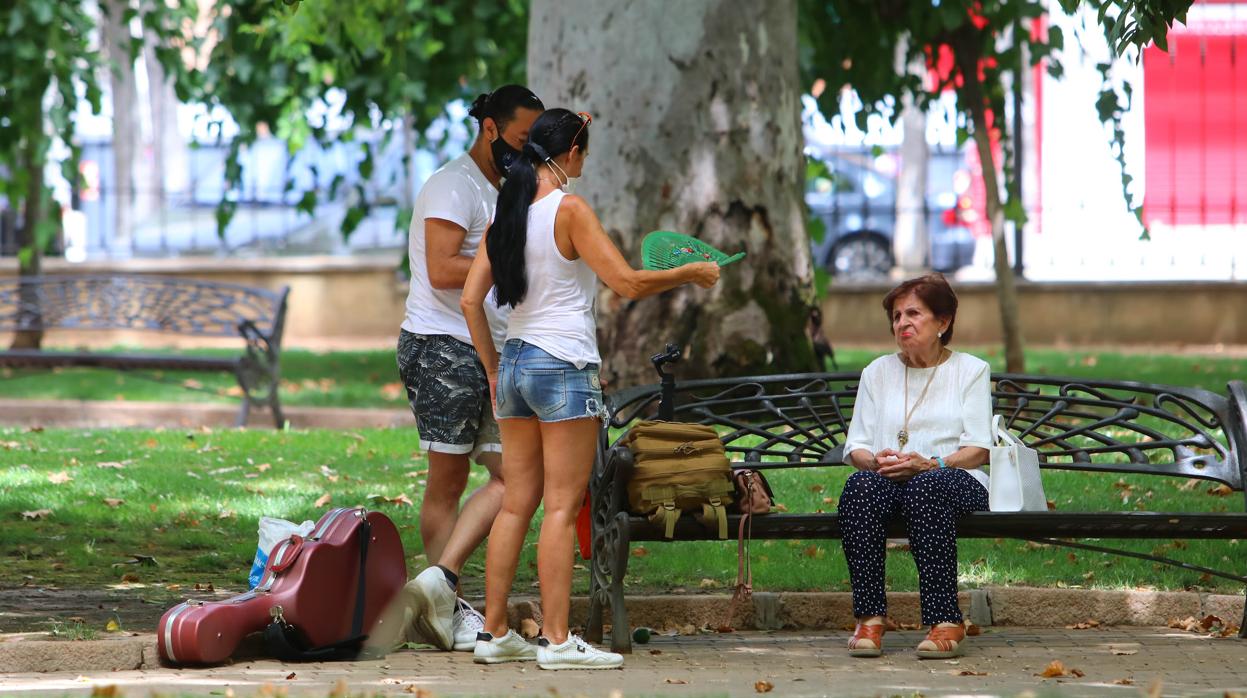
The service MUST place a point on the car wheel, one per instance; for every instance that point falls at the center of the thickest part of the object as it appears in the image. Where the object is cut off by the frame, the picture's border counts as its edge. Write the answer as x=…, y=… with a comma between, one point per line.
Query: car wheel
x=861, y=256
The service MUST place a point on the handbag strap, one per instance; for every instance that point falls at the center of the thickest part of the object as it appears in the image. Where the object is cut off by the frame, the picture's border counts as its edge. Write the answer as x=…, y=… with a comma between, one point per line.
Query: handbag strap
x=1004, y=437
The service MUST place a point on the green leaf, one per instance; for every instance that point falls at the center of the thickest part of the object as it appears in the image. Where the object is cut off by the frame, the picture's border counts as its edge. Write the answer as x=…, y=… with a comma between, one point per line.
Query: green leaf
x=1056, y=38
x=354, y=216
x=307, y=204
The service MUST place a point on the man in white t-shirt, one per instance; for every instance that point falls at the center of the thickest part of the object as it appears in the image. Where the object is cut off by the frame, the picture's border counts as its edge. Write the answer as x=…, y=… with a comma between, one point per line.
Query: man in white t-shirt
x=445, y=381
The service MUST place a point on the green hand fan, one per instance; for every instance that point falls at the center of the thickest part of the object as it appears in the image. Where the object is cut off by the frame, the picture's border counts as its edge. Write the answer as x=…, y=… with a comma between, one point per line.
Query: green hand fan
x=663, y=249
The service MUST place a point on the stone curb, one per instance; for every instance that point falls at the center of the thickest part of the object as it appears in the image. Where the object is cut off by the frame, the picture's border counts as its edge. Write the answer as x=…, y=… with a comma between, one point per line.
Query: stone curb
x=831, y=611
x=94, y=414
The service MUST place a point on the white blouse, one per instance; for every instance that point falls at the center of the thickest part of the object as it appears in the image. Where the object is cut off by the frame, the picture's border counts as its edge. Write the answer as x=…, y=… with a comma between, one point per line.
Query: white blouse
x=956, y=411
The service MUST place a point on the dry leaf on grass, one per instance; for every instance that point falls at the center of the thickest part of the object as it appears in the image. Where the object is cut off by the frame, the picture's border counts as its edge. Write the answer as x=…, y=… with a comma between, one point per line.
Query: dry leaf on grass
x=400, y=499
x=263, y=466
x=129, y=578
x=392, y=391
x=639, y=551
x=1056, y=669
x=709, y=584
x=36, y=514
x=1221, y=491
x=60, y=478
x=111, y=464
x=763, y=686
x=322, y=500
x=114, y=503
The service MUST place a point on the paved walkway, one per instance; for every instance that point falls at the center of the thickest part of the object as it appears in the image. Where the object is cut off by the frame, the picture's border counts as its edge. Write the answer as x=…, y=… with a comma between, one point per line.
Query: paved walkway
x=1002, y=661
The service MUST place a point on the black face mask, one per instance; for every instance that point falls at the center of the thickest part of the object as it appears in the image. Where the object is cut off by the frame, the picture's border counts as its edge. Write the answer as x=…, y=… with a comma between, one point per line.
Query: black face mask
x=504, y=155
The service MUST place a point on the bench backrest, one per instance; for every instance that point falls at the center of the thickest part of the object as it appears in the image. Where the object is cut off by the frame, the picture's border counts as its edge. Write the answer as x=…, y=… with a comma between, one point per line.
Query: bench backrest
x=124, y=302
x=788, y=421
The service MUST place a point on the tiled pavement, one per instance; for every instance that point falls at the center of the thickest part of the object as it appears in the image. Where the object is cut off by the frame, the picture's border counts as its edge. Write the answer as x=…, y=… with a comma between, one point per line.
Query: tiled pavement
x=1126, y=661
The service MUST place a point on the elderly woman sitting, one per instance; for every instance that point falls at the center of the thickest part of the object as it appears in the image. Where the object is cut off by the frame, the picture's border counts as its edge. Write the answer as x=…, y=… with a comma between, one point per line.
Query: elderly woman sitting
x=920, y=430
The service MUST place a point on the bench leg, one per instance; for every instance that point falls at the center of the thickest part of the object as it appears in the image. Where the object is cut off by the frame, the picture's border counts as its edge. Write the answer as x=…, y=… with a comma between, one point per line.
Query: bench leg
x=274, y=404
x=1242, y=626
x=621, y=633
x=244, y=411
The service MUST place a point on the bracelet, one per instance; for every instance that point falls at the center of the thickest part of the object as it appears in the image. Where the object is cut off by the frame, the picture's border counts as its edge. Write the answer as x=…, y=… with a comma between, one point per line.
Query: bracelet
x=941, y=462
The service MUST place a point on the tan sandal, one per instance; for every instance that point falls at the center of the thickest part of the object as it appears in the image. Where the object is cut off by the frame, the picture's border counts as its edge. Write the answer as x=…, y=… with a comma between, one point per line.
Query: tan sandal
x=943, y=642
x=867, y=640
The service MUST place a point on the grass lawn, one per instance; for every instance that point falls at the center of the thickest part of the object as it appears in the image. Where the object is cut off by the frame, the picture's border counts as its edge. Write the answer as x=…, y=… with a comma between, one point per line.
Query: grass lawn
x=77, y=505
x=370, y=378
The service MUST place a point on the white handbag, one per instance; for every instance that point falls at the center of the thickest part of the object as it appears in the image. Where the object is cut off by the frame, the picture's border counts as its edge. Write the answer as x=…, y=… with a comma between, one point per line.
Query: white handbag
x=1015, y=481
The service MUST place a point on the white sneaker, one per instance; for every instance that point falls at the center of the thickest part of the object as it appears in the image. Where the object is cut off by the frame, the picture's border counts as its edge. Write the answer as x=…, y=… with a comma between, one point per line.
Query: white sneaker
x=467, y=623
x=575, y=653
x=511, y=647
x=432, y=601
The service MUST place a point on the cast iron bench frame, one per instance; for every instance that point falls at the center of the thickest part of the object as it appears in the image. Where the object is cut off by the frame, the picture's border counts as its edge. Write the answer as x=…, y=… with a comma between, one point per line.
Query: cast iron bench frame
x=154, y=303
x=800, y=421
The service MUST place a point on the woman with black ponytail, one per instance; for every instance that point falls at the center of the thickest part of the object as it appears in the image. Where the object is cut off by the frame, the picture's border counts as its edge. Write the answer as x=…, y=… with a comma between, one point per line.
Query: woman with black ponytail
x=546, y=252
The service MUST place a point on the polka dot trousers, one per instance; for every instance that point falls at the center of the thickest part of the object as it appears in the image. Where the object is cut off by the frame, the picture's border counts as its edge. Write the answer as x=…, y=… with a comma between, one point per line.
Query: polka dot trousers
x=930, y=503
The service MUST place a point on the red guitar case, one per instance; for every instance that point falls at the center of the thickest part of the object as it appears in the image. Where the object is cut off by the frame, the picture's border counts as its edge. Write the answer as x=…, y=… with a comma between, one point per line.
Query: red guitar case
x=318, y=599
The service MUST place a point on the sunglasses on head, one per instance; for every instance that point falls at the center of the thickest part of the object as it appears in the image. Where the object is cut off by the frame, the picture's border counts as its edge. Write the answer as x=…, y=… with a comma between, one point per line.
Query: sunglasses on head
x=585, y=119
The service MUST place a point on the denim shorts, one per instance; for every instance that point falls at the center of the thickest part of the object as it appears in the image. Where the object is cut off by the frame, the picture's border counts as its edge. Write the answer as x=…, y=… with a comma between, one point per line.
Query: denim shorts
x=532, y=383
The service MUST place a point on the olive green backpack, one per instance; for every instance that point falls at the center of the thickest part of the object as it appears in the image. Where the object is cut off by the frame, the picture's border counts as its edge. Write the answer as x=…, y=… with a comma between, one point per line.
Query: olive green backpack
x=679, y=467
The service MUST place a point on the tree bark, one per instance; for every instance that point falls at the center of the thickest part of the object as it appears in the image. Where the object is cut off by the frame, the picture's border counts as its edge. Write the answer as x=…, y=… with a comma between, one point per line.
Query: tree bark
x=909, y=244
x=28, y=238
x=125, y=126
x=696, y=129
x=1006, y=285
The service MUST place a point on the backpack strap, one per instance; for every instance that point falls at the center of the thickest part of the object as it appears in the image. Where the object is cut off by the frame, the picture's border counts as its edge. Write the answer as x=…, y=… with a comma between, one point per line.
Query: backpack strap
x=714, y=516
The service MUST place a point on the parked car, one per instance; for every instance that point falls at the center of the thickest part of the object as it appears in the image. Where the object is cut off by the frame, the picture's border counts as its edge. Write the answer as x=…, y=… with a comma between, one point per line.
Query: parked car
x=856, y=201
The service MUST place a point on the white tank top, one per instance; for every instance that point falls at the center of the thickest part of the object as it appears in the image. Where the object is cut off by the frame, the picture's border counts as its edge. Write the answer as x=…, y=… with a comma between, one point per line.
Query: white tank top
x=557, y=312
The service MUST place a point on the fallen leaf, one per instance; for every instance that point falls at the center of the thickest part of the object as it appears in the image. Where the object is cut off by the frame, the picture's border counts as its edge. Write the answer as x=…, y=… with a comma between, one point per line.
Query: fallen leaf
x=763, y=686
x=675, y=681
x=1189, y=485
x=420, y=692
x=1122, y=651
x=638, y=551
x=817, y=489
x=1051, y=505
x=112, y=626
x=323, y=500
x=227, y=514
x=114, y=503
x=36, y=514
x=340, y=690
x=290, y=676
x=1056, y=669
x=263, y=466
x=810, y=551
x=109, y=691
x=1123, y=682
x=972, y=629
x=710, y=584
x=1085, y=625
x=60, y=478
x=1221, y=491
x=129, y=578
x=780, y=507
x=655, y=652
x=192, y=384
x=111, y=464
x=968, y=672
x=392, y=391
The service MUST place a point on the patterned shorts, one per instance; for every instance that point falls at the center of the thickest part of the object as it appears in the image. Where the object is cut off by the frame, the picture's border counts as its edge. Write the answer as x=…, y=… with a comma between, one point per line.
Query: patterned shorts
x=448, y=393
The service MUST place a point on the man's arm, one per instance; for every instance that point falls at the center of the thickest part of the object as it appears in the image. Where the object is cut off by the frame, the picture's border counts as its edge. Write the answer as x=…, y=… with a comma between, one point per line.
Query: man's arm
x=442, y=242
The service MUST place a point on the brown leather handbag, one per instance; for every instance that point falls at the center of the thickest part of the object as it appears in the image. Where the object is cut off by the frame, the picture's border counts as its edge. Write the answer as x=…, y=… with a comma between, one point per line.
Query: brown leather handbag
x=753, y=492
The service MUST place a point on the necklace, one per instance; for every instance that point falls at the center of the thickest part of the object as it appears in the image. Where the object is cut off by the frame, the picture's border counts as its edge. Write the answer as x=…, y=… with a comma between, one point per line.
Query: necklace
x=902, y=436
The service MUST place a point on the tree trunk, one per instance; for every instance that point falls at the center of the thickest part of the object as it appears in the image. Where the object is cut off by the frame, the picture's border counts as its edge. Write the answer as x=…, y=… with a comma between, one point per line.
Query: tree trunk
x=30, y=265
x=1006, y=286
x=170, y=161
x=698, y=131
x=910, y=246
x=125, y=126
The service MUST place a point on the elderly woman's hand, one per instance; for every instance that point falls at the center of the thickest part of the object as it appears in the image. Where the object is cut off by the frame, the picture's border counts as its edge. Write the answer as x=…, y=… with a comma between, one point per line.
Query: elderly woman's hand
x=904, y=466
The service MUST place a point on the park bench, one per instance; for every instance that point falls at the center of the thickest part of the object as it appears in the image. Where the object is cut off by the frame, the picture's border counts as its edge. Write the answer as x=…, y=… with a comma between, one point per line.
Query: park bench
x=800, y=421
x=175, y=305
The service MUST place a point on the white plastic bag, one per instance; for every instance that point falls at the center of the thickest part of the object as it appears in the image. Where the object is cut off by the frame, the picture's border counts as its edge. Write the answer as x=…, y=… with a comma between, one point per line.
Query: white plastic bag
x=272, y=532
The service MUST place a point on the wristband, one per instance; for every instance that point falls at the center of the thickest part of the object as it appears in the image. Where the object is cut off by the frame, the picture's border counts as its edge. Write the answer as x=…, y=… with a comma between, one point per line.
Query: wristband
x=941, y=462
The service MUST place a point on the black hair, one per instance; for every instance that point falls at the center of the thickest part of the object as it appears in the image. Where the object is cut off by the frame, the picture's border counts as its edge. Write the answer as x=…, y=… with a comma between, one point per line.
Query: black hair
x=550, y=136
x=500, y=105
